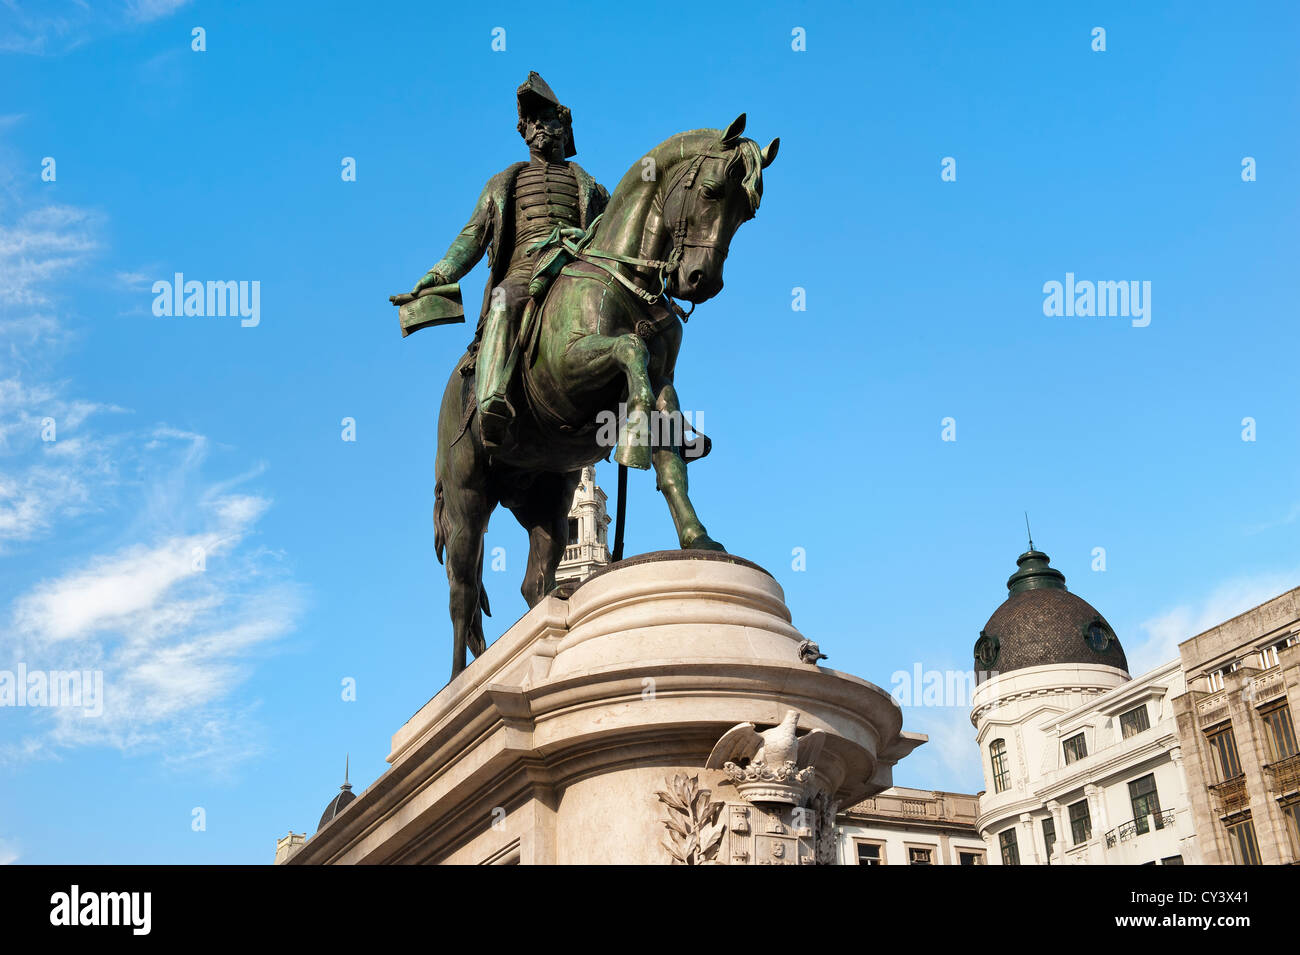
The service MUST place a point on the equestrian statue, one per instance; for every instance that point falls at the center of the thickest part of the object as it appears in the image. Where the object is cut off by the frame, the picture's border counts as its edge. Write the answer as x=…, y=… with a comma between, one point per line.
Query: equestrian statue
x=577, y=338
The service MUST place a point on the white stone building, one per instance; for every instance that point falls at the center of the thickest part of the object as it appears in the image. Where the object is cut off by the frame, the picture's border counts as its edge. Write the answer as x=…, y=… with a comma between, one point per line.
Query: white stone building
x=1082, y=763
x=902, y=826
x=588, y=546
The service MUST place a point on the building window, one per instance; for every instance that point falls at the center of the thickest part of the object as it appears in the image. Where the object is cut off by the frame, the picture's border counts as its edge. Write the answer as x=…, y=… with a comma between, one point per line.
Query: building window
x=1049, y=836
x=1076, y=748
x=1223, y=746
x=1241, y=836
x=1010, y=852
x=1172, y=860
x=1268, y=656
x=1134, y=721
x=971, y=858
x=1291, y=814
x=1280, y=732
x=1146, y=802
x=1080, y=822
x=917, y=855
x=998, y=756
x=573, y=530
x=1216, y=680
x=870, y=853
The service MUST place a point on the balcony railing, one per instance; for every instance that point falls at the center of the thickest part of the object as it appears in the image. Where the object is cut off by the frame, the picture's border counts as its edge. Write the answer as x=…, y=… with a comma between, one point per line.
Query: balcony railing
x=1284, y=775
x=1139, y=827
x=1212, y=709
x=586, y=551
x=1264, y=688
x=1231, y=794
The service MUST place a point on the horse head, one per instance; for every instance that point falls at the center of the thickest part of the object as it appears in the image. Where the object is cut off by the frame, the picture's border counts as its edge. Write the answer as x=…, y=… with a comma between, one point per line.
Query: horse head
x=703, y=201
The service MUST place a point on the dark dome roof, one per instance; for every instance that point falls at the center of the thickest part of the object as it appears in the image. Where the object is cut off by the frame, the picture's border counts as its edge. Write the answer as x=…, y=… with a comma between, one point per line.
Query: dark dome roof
x=339, y=802
x=337, y=805
x=1043, y=624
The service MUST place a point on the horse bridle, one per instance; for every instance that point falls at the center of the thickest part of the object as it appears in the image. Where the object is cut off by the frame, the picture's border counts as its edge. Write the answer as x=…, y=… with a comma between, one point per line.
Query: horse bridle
x=681, y=240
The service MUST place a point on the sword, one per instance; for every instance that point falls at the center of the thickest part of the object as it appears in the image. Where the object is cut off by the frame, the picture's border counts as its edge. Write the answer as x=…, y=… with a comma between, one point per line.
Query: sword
x=439, y=305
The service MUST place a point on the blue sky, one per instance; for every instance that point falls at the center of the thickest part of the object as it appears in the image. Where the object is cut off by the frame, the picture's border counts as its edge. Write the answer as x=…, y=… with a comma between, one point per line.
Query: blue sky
x=924, y=301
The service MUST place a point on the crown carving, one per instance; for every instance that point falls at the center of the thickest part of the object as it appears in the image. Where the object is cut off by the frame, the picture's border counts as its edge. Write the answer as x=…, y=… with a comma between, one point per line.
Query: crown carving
x=761, y=782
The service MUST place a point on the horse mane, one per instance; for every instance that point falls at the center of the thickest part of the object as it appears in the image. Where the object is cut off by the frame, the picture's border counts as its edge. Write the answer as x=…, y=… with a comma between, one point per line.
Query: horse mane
x=751, y=154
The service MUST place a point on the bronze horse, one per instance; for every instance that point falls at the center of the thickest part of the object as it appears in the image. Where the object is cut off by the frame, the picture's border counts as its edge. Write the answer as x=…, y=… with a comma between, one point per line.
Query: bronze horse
x=606, y=334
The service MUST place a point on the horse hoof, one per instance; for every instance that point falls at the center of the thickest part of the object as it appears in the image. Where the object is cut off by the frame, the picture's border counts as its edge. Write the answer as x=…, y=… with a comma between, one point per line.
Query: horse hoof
x=633, y=456
x=705, y=542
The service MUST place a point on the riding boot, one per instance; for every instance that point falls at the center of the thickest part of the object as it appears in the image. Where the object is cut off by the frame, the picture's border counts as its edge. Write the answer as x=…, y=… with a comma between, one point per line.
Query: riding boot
x=494, y=364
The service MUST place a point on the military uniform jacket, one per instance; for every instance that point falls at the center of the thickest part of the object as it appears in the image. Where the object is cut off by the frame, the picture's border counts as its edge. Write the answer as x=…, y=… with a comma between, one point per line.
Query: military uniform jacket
x=491, y=228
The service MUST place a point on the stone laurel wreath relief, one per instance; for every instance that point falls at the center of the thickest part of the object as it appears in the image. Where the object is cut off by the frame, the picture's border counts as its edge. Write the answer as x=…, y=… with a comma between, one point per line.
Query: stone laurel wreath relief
x=694, y=827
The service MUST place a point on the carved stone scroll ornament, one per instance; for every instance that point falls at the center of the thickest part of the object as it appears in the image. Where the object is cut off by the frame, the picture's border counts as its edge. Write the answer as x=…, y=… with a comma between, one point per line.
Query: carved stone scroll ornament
x=826, y=809
x=693, y=821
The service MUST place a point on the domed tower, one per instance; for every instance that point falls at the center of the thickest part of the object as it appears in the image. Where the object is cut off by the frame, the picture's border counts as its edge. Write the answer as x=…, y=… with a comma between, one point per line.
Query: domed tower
x=1043, y=653
x=1042, y=624
x=339, y=802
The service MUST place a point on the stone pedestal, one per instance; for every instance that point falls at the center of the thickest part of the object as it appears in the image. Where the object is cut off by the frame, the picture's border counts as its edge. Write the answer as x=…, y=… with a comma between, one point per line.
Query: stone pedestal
x=586, y=733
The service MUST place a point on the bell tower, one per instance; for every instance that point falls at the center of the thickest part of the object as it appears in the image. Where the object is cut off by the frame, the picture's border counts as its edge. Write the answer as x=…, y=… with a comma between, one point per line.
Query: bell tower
x=588, y=548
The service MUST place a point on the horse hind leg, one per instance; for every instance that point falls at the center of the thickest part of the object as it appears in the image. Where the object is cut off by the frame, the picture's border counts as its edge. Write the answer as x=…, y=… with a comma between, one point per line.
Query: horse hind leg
x=460, y=518
x=544, y=513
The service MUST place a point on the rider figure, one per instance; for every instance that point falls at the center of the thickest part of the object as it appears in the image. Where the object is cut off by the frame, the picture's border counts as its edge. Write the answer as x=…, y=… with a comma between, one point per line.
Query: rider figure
x=520, y=205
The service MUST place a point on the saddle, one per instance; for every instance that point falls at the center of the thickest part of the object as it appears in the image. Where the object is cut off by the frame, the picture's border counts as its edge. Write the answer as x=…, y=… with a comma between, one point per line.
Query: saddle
x=558, y=249
x=566, y=252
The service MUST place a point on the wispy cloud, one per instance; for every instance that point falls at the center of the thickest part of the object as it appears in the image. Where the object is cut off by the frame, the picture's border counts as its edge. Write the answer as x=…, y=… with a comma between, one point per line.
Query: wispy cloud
x=155, y=576
x=42, y=29
x=1285, y=518
x=51, y=466
x=1162, y=633
x=54, y=27
x=8, y=854
x=135, y=281
x=950, y=759
x=43, y=244
x=175, y=625
x=936, y=692
x=144, y=11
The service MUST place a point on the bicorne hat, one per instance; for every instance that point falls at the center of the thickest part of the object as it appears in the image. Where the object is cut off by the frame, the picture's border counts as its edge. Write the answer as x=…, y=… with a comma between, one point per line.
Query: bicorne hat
x=534, y=95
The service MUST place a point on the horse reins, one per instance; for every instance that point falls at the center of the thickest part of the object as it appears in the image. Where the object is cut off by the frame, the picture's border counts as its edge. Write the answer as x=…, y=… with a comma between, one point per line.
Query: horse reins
x=681, y=240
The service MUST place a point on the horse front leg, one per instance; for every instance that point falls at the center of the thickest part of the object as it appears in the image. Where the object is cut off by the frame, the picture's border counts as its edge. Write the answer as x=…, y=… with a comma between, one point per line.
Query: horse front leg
x=670, y=470
x=594, y=356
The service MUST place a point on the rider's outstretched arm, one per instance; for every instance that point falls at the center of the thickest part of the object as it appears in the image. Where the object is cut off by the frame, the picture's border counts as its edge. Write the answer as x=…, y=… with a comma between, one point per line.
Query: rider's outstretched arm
x=466, y=249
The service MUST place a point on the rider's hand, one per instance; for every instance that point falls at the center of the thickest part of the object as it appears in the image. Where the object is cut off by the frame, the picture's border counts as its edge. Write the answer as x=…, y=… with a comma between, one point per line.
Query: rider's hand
x=431, y=279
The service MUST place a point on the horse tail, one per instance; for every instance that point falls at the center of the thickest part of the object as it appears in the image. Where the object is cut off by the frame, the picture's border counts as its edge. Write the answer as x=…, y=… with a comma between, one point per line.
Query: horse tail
x=440, y=523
